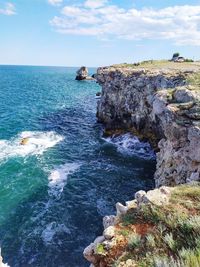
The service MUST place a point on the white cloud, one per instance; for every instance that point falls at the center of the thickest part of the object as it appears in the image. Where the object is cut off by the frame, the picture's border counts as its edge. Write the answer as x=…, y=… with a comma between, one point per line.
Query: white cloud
x=55, y=2
x=180, y=24
x=8, y=10
x=95, y=3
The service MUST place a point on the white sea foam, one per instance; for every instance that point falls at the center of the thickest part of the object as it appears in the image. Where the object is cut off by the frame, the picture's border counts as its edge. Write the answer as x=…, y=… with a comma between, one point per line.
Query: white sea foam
x=131, y=145
x=51, y=230
x=58, y=178
x=38, y=143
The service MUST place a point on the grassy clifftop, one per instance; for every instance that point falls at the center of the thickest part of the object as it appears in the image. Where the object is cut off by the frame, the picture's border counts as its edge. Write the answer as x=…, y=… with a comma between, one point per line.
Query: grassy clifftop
x=155, y=235
x=163, y=235
x=161, y=64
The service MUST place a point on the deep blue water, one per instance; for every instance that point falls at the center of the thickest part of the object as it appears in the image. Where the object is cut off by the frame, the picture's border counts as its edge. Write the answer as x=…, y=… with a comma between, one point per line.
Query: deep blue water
x=55, y=190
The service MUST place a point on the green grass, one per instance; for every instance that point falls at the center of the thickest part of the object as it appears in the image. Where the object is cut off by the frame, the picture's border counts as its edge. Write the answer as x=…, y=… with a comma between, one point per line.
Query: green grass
x=174, y=238
x=194, y=79
x=134, y=241
x=100, y=250
x=152, y=64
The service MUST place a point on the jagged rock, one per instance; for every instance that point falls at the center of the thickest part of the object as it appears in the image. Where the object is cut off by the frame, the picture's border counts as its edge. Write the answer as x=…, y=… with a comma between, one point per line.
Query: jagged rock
x=121, y=209
x=131, y=204
x=158, y=105
x=157, y=197
x=109, y=244
x=83, y=74
x=195, y=176
x=88, y=253
x=99, y=239
x=109, y=232
x=139, y=196
x=109, y=221
x=194, y=145
x=183, y=95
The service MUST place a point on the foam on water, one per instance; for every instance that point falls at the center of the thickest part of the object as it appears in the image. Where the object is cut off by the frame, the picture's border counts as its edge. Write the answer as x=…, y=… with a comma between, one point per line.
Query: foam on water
x=51, y=230
x=38, y=143
x=131, y=145
x=58, y=178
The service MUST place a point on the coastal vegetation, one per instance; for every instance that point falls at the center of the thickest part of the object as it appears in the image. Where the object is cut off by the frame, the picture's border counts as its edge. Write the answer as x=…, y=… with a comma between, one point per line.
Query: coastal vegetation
x=155, y=100
x=152, y=235
x=155, y=64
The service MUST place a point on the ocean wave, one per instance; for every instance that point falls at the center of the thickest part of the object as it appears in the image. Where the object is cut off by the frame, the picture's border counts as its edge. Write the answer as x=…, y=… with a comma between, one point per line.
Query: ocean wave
x=37, y=144
x=58, y=178
x=129, y=144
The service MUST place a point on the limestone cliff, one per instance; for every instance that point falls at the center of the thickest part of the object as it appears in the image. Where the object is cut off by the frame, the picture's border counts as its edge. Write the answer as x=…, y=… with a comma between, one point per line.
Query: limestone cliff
x=161, y=105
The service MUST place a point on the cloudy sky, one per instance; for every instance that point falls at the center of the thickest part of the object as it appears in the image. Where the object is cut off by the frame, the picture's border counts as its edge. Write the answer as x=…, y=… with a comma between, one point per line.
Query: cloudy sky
x=97, y=32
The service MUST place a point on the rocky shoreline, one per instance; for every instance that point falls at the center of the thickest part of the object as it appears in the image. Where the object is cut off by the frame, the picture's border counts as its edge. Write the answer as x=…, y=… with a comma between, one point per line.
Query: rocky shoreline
x=161, y=105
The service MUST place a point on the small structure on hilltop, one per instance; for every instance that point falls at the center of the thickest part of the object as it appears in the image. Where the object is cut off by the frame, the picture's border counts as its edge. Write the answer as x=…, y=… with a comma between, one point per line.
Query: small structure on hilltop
x=83, y=74
x=177, y=58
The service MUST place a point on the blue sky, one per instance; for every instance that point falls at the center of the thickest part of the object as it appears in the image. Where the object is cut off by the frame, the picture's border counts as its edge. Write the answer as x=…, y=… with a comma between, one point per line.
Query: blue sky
x=97, y=32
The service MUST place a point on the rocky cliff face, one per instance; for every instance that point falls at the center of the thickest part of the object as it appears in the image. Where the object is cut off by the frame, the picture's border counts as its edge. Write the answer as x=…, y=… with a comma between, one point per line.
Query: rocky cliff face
x=161, y=105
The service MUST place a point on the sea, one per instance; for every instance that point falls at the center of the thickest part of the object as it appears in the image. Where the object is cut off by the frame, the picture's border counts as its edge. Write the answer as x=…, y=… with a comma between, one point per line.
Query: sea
x=56, y=188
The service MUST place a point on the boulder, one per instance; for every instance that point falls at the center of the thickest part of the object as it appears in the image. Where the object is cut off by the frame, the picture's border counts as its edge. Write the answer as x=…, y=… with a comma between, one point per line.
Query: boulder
x=82, y=74
x=183, y=95
x=109, y=221
x=109, y=232
x=121, y=209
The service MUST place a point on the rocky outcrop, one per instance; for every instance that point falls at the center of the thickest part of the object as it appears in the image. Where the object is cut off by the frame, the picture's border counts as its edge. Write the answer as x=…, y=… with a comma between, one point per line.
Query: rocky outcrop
x=83, y=74
x=160, y=105
x=97, y=253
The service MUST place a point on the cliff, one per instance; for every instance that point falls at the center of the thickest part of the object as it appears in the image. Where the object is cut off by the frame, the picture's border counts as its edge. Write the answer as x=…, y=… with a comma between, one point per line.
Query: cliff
x=158, y=102
x=161, y=103
x=158, y=229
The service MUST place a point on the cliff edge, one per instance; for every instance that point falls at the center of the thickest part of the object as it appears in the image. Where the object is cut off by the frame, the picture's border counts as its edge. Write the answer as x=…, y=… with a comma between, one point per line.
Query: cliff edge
x=159, y=228
x=159, y=102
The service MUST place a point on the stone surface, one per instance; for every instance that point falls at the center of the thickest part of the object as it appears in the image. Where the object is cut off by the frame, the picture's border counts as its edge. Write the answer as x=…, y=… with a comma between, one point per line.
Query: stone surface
x=157, y=197
x=183, y=96
x=109, y=221
x=159, y=105
x=109, y=232
x=121, y=209
x=83, y=74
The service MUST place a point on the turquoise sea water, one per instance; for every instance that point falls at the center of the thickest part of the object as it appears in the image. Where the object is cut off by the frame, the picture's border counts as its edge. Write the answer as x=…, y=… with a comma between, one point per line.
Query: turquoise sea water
x=55, y=190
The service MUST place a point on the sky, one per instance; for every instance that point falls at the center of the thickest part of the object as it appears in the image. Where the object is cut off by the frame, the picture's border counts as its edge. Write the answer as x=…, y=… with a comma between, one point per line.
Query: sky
x=97, y=32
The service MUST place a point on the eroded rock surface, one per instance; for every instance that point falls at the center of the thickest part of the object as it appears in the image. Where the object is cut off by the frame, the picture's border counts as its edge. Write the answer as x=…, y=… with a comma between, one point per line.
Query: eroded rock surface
x=161, y=106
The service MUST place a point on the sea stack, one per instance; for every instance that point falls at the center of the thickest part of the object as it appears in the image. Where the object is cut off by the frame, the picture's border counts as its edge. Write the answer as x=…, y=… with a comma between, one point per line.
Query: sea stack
x=83, y=74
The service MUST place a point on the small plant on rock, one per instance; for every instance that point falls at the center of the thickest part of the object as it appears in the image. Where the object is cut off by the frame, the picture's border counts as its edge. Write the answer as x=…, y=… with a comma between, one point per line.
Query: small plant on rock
x=150, y=241
x=169, y=241
x=134, y=241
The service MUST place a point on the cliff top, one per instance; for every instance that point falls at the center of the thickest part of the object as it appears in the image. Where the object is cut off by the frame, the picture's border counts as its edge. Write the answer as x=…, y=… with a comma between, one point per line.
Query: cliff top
x=160, y=64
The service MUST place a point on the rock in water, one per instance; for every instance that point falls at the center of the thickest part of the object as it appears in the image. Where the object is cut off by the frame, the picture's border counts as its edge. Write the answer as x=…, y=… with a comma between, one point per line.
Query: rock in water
x=82, y=74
